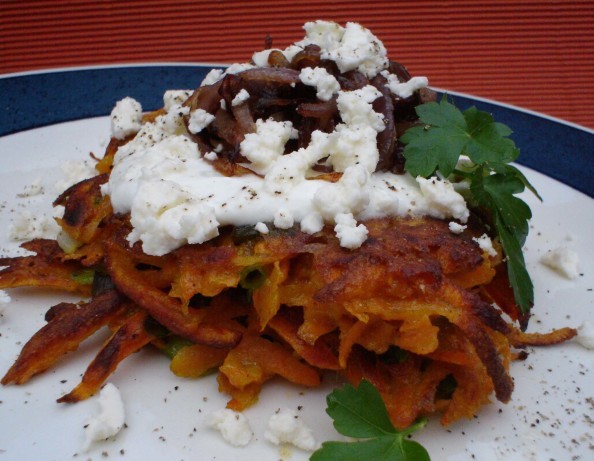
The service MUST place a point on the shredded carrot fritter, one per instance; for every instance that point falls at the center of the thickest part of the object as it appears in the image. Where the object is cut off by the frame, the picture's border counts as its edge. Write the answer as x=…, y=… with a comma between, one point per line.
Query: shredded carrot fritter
x=416, y=310
x=410, y=310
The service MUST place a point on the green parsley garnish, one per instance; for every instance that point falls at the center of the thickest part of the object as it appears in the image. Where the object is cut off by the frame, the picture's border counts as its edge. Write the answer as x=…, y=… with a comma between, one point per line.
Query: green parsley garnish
x=361, y=413
x=436, y=147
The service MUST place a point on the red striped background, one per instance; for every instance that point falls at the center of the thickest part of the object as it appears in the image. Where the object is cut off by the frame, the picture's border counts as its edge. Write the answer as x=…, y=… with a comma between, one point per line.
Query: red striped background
x=535, y=54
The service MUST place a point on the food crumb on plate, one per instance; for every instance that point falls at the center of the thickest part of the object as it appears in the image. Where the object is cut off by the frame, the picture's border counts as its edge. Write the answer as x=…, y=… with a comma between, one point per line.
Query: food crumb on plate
x=585, y=336
x=562, y=260
x=285, y=426
x=233, y=426
x=110, y=419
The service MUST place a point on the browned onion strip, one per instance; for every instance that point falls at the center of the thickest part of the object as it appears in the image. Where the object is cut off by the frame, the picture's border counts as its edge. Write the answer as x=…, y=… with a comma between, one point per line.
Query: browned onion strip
x=352, y=80
x=386, y=139
x=270, y=81
x=309, y=57
x=319, y=109
x=244, y=118
x=277, y=58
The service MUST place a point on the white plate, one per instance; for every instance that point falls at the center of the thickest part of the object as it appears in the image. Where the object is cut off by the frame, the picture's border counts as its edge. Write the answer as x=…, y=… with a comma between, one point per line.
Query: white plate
x=550, y=417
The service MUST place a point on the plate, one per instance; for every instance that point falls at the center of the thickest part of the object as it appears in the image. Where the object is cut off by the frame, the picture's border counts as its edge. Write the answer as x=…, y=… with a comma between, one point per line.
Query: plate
x=551, y=414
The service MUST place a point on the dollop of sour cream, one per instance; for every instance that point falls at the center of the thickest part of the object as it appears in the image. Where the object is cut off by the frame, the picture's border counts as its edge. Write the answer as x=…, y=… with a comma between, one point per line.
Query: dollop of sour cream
x=175, y=196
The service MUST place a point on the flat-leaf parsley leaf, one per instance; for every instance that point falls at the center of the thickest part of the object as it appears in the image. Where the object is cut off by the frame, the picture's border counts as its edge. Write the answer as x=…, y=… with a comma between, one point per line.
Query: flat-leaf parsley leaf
x=360, y=412
x=435, y=147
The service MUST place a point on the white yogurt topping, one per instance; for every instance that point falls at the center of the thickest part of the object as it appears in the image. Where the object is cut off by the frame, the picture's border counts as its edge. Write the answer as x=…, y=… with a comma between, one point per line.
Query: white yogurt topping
x=175, y=196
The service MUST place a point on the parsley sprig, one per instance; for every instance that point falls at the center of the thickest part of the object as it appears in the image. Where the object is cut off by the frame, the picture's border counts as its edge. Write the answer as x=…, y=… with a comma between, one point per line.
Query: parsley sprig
x=361, y=413
x=435, y=146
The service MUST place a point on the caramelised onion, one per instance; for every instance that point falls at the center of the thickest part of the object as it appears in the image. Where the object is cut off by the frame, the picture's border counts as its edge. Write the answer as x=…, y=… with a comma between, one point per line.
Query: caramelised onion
x=277, y=58
x=277, y=92
x=386, y=139
x=309, y=57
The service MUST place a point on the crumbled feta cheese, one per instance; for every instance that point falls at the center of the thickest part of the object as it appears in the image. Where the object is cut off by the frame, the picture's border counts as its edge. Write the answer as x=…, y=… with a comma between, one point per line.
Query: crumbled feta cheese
x=486, y=244
x=73, y=172
x=350, y=234
x=442, y=199
x=291, y=51
x=172, y=122
x=351, y=47
x=212, y=77
x=404, y=89
x=353, y=146
x=199, y=119
x=287, y=172
x=238, y=67
x=260, y=58
x=456, y=228
x=27, y=226
x=31, y=190
x=325, y=83
x=217, y=74
x=240, y=97
x=585, y=336
x=233, y=426
x=212, y=156
x=262, y=228
x=356, y=110
x=285, y=426
x=312, y=223
x=4, y=300
x=347, y=195
x=126, y=118
x=267, y=144
x=283, y=219
x=176, y=196
x=164, y=217
x=563, y=260
x=326, y=34
x=175, y=98
x=110, y=419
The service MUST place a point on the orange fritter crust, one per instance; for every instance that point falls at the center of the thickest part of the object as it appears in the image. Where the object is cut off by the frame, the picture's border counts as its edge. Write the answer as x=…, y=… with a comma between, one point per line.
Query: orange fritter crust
x=409, y=310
